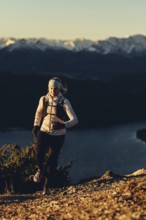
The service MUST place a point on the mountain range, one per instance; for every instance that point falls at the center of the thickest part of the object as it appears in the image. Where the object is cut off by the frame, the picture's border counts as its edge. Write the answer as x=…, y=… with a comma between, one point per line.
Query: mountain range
x=130, y=45
x=80, y=58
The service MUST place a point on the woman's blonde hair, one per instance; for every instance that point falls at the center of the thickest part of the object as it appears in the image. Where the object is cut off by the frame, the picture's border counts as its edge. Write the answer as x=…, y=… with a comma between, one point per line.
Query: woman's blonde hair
x=64, y=87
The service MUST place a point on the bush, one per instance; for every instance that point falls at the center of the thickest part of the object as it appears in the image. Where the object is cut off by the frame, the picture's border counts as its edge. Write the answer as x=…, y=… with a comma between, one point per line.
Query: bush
x=17, y=167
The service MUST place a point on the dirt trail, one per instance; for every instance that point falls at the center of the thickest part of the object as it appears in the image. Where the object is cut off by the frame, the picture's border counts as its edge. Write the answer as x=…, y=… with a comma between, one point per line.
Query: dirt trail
x=109, y=197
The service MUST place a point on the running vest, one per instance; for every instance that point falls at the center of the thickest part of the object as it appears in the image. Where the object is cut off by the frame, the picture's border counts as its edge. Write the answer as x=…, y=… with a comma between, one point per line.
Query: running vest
x=54, y=110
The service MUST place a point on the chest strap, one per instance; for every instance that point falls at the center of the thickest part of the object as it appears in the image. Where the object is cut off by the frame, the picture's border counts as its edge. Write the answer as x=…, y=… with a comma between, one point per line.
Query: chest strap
x=46, y=104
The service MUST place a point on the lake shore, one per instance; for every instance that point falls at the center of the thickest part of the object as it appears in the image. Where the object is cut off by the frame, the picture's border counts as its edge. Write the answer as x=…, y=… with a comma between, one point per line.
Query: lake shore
x=107, y=197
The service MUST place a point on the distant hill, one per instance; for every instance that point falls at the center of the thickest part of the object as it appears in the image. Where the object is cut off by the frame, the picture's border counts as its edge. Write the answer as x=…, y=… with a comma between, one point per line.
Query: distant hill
x=78, y=59
x=96, y=102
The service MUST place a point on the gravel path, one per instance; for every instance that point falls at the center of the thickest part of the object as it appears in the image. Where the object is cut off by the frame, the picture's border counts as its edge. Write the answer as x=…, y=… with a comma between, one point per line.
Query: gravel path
x=110, y=197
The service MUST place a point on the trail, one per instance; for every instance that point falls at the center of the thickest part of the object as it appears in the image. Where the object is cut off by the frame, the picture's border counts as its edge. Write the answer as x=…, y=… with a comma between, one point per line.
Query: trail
x=108, y=197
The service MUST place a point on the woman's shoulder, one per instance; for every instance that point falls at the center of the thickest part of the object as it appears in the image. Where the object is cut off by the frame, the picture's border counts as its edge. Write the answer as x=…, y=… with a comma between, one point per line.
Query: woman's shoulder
x=44, y=98
x=66, y=101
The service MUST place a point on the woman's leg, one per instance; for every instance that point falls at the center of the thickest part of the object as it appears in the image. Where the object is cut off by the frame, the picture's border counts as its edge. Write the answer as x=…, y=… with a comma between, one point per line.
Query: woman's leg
x=41, y=149
x=56, y=143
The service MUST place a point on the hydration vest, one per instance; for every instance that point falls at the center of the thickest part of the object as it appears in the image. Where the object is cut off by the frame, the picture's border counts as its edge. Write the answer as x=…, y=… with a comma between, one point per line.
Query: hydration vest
x=54, y=110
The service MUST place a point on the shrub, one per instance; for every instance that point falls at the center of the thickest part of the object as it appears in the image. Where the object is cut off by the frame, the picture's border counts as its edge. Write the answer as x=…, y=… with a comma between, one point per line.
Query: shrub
x=17, y=167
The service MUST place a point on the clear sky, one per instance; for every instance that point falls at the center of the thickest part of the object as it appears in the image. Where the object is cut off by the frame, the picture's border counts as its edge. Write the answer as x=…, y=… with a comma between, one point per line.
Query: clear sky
x=70, y=19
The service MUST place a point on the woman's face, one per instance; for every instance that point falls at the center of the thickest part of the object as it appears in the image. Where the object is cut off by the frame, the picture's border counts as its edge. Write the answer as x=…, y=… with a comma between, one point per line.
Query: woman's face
x=53, y=91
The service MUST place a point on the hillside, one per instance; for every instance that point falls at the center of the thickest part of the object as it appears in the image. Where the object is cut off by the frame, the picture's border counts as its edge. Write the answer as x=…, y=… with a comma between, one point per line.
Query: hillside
x=109, y=197
x=121, y=100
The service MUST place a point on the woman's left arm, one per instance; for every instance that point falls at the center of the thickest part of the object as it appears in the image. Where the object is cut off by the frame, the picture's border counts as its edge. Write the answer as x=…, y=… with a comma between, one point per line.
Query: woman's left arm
x=73, y=120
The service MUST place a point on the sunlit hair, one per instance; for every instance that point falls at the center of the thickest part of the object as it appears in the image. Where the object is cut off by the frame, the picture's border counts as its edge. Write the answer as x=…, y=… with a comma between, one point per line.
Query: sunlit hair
x=64, y=87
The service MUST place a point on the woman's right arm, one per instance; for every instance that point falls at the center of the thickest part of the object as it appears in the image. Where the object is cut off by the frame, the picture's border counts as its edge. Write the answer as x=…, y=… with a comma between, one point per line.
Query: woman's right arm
x=39, y=112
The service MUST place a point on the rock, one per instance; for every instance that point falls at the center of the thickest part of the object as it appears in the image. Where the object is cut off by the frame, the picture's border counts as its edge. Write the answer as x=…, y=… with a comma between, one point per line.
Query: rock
x=138, y=172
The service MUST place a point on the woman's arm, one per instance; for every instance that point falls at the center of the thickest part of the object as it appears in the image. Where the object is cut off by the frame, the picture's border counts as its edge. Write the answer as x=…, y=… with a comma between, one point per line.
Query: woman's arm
x=39, y=112
x=73, y=120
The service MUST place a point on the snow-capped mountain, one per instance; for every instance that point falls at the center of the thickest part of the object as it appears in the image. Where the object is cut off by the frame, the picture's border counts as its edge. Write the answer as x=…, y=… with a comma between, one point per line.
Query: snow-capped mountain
x=136, y=43
x=43, y=44
x=133, y=44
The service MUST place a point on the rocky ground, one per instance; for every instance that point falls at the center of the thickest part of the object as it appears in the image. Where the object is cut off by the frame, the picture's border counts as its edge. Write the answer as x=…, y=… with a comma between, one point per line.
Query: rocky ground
x=110, y=197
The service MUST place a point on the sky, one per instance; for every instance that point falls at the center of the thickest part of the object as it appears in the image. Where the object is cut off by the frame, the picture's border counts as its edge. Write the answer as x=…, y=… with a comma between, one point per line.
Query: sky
x=72, y=19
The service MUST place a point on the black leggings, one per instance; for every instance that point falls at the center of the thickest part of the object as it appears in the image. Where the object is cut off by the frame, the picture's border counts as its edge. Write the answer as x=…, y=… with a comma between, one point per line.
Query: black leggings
x=52, y=145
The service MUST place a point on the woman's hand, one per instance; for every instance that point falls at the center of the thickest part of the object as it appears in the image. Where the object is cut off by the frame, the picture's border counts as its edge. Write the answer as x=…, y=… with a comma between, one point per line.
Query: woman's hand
x=56, y=119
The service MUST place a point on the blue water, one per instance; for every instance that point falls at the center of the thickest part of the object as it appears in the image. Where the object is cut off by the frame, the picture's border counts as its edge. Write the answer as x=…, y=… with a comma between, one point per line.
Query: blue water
x=94, y=151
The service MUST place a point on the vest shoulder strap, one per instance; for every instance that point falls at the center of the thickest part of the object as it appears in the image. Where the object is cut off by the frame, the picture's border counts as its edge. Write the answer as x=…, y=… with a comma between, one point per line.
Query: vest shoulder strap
x=45, y=105
x=61, y=100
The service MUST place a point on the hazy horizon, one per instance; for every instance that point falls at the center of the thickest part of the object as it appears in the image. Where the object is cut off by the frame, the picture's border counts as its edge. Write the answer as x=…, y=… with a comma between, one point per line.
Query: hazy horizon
x=71, y=39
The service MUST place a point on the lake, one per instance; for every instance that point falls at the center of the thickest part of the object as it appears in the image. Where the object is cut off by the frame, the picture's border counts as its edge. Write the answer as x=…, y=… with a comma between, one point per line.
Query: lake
x=94, y=151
